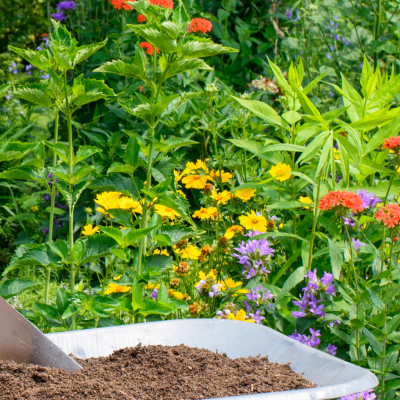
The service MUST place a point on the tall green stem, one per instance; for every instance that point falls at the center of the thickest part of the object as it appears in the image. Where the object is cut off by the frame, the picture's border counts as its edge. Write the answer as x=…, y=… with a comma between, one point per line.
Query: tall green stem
x=52, y=201
x=70, y=206
x=314, y=228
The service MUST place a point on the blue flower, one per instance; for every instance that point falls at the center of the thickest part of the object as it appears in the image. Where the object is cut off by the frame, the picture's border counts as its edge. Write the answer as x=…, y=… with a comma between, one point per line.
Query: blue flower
x=66, y=5
x=58, y=16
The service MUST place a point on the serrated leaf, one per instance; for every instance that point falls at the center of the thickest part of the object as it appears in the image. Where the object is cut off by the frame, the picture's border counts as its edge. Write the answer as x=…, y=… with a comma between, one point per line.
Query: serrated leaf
x=15, y=150
x=182, y=66
x=203, y=48
x=84, y=52
x=36, y=96
x=39, y=59
x=120, y=67
x=14, y=287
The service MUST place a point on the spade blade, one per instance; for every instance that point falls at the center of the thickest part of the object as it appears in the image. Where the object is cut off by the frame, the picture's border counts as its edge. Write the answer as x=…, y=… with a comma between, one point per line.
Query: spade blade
x=22, y=342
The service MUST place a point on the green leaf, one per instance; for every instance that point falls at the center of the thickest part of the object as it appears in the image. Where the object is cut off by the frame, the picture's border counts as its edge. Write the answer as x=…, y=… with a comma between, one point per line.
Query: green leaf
x=85, y=152
x=177, y=233
x=15, y=150
x=38, y=59
x=62, y=300
x=295, y=278
x=78, y=250
x=344, y=336
x=14, y=287
x=137, y=296
x=391, y=129
x=60, y=149
x=84, y=52
x=182, y=66
x=46, y=310
x=120, y=67
x=375, y=344
x=203, y=48
x=178, y=204
x=157, y=307
x=117, y=183
x=160, y=40
x=25, y=172
x=282, y=82
x=36, y=96
x=132, y=152
x=60, y=248
x=96, y=247
x=262, y=111
x=280, y=234
x=385, y=93
x=336, y=258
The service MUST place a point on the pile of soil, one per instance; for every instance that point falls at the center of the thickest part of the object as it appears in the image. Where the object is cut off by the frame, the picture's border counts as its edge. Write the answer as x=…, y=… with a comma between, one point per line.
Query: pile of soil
x=152, y=372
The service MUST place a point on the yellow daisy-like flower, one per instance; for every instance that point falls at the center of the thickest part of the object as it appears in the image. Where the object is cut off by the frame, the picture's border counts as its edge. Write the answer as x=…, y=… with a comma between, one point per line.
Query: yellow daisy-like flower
x=165, y=211
x=206, y=213
x=108, y=200
x=217, y=175
x=240, y=316
x=253, y=222
x=117, y=278
x=336, y=154
x=114, y=288
x=178, y=175
x=191, y=252
x=195, y=181
x=245, y=194
x=151, y=286
x=231, y=284
x=127, y=203
x=211, y=274
x=230, y=232
x=103, y=211
x=279, y=170
x=161, y=252
x=180, y=192
x=306, y=200
x=190, y=167
x=221, y=198
x=175, y=295
x=88, y=230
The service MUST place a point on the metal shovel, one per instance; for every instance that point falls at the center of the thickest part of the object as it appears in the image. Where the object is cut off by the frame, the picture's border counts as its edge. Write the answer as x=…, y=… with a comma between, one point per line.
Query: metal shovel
x=22, y=342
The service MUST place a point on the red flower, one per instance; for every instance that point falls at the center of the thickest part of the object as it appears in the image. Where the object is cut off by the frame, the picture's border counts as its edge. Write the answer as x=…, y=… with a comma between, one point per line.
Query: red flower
x=200, y=25
x=44, y=35
x=141, y=18
x=163, y=3
x=393, y=143
x=148, y=47
x=118, y=4
x=390, y=215
x=141, y=89
x=343, y=199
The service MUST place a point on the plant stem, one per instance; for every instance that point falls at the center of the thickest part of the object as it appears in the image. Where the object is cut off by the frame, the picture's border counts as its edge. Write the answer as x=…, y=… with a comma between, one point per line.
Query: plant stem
x=314, y=228
x=70, y=206
x=377, y=30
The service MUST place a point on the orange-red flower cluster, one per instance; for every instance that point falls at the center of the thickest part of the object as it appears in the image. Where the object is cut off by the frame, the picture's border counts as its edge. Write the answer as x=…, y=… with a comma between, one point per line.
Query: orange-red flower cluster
x=390, y=215
x=118, y=4
x=393, y=143
x=345, y=199
x=141, y=18
x=199, y=25
x=163, y=3
x=148, y=47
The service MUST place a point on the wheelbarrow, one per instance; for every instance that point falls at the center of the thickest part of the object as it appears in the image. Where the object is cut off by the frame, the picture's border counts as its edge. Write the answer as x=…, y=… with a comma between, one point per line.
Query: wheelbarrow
x=334, y=377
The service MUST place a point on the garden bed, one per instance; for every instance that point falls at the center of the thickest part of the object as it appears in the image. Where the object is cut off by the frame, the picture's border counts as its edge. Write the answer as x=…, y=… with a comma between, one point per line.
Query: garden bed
x=151, y=372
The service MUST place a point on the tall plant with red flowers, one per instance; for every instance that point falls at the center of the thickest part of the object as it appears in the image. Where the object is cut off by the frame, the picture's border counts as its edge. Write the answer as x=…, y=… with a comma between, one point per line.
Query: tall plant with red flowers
x=172, y=33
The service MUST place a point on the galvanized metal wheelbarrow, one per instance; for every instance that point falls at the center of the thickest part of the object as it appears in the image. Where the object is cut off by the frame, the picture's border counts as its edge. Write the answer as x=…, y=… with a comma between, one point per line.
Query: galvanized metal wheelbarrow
x=334, y=378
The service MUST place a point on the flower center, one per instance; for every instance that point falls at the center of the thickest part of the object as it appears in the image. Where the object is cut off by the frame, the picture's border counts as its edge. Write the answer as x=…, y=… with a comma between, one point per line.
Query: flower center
x=168, y=209
x=254, y=220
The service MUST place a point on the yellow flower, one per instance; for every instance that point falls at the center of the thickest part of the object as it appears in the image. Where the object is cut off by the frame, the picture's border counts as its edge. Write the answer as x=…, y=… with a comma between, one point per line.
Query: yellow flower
x=161, y=252
x=175, y=295
x=180, y=192
x=35, y=208
x=103, y=211
x=253, y=222
x=230, y=232
x=88, y=230
x=195, y=181
x=108, y=200
x=245, y=194
x=151, y=286
x=280, y=169
x=216, y=176
x=231, y=284
x=221, y=198
x=166, y=211
x=211, y=275
x=178, y=176
x=240, y=316
x=117, y=278
x=206, y=213
x=127, y=203
x=190, y=167
x=281, y=225
x=191, y=252
x=306, y=200
x=114, y=288
x=336, y=154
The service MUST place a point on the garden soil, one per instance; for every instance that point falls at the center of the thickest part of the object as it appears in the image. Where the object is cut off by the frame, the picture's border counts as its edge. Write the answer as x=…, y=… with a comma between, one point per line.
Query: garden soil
x=151, y=372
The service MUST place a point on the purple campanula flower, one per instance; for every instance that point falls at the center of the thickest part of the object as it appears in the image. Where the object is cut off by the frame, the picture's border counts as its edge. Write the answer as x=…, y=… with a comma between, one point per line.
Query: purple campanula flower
x=246, y=304
x=368, y=395
x=328, y=56
x=253, y=255
x=45, y=76
x=312, y=341
x=256, y=317
x=290, y=13
x=45, y=231
x=349, y=221
x=357, y=244
x=8, y=97
x=331, y=349
x=58, y=16
x=46, y=197
x=346, y=43
x=331, y=94
x=334, y=323
x=215, y=290
x=369, y=199
x=66, y=5
x=332, y=47
x=28, y=69
x=39, y=48
x=154, y=294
